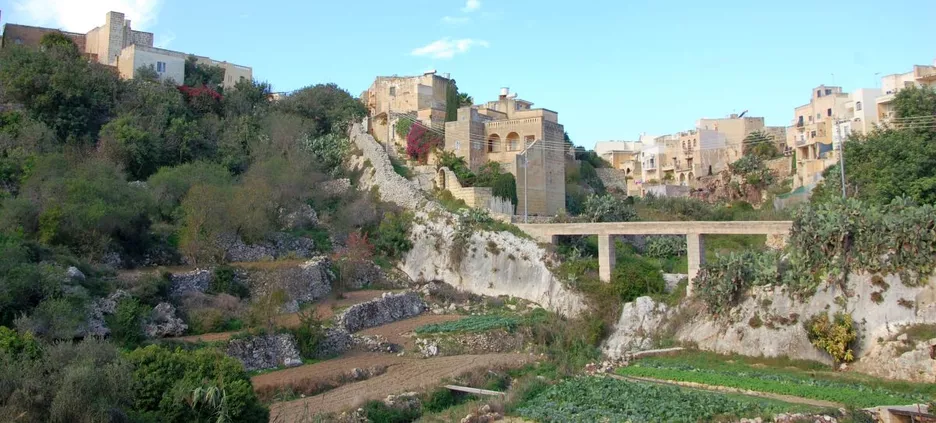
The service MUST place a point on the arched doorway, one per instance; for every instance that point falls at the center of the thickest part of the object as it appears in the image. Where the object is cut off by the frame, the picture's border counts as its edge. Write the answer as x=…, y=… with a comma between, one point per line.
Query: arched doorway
x=492, y=143
x=441, y=179
x=691, y=177
x=513, y=141
x=682, y=179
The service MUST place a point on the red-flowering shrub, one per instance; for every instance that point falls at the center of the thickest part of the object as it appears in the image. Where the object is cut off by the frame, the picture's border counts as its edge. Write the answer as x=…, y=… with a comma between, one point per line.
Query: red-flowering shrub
x=420, y=141
x=201, y=99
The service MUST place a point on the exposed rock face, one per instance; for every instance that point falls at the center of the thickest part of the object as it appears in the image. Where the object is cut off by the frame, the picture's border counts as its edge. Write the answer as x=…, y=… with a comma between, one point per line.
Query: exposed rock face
x=277, y=246
x=380, y=311
x=99, y=309
x=265, y=352
x=304, y=283
x=639, y=320
x=374, y=343
x=518, y=269
x=780, y=330
x=163, y=322
x=901, y=359
x=673, y=279
x=300, y=217
x=406, y=401
x=335, y=342
x=196, y=280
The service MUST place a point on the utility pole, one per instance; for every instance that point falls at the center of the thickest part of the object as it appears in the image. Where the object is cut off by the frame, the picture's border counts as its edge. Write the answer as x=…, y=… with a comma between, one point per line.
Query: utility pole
x=838, y=131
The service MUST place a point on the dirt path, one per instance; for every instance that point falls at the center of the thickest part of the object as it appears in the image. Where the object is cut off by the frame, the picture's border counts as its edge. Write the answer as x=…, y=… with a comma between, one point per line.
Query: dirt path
x=729, y=390
x=324, y=310
x=410, y=375
x=401, y=332
x=326, y=370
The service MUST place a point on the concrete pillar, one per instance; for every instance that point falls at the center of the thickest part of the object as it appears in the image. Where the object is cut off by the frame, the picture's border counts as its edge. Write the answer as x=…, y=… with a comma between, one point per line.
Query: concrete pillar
x=606, y=257
x=695, y=249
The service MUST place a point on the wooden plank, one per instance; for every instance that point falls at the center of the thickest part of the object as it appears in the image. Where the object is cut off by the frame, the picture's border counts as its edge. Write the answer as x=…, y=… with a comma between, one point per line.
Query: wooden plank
x=475, y=391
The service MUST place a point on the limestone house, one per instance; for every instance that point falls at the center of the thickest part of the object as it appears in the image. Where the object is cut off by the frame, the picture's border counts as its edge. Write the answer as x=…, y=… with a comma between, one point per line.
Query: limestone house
x=920, y=76
x=526, y=141
x=422, y=96
x=117, y=44
x=811, y=133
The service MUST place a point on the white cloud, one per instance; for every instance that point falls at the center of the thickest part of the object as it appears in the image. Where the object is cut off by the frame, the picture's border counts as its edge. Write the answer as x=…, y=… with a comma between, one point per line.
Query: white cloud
x=450, y=20
x=84, y=15
x=447, y=48
x=164, y=40
x=471, y=5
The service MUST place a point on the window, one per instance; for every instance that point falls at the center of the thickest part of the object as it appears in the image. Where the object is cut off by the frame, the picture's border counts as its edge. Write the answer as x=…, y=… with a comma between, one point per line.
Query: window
x=858, y=106
x=810, y=118
x=812, y=134
x=818, y=93
x=829, y=112
x=818, y=116
x=160, y=67
x=828, y=91
x=18, y=41
x=392, y=91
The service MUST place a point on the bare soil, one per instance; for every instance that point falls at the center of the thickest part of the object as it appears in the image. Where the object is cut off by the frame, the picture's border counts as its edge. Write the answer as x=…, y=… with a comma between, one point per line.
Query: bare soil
x=323, y=310
x=401, y=332
x=410, y=374
x=325, y=371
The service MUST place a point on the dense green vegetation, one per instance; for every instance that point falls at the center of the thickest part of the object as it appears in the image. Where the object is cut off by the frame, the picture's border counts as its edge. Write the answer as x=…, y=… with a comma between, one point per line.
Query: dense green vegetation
x=102, y=174
x=592, y=399
x=479, y=323
x=802, y=379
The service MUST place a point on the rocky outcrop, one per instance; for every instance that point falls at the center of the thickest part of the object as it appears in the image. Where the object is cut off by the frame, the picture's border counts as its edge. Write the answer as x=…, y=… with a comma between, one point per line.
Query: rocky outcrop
x=901, y=358
x=517, y=267
x=196, y=280
x=639, y=320
x=374, y=343
x=277, y=246
x=380, y=311
x=74, y=275
x=335, y=187
x=100, y=308
x=265, y=351
x=335, y=342
x=163, y=322
x=301, y=216
x=769, y=322
x=491, y=263
x=301, y=283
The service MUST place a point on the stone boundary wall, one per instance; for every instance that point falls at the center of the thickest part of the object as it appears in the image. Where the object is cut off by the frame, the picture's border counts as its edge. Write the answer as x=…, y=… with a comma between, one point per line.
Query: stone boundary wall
x=391, y=186
x=380, y=311
x=265, y=351
x=613, y=178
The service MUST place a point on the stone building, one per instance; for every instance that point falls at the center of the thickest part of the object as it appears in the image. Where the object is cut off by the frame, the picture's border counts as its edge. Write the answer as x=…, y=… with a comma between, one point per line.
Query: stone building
x=527, y=142
x=422, y=97
x=920, y=76
x=117, y=44
x=811, y=133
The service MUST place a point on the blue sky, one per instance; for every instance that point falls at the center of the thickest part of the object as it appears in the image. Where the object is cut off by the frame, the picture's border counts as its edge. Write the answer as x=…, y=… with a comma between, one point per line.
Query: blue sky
x=612, y=69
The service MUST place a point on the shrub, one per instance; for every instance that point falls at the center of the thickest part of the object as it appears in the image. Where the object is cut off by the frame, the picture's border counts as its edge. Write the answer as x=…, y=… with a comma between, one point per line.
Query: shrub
x=635, y=277
x=722, y=282
x=170, y=184
x=308, y=334
x=420, y=141
x=439, y=400
x=393, y=234
x=164, y=380
x=377, y=411
x=224, y=280
x=665, y=246
x=505, y=186
x=608, y=208
x=458, y=166
x=833, y=336
x=18, y=346
x=126, y=324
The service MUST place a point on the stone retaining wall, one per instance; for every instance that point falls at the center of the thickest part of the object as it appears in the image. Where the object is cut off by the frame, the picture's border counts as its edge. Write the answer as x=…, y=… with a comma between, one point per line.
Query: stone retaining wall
x=265, y=351
x=380, y=311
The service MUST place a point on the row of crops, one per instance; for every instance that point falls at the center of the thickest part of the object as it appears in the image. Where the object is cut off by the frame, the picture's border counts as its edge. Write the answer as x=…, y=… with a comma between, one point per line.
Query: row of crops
x=813, y=385
x=482, y=323
x=596, y=399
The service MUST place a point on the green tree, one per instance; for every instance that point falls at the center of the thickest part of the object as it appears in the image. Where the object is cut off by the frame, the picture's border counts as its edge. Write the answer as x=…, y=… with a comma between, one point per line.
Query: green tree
x=202, y=75
x=330, y=108
x=164, y=381
x=247, y=98
x=465, y=100
x=126, y=142
x=170, y=184
x=146, y=73
x=915, y=102
x=71, y=95
x=59, y=43
x=608, y=208
x=761, y=144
